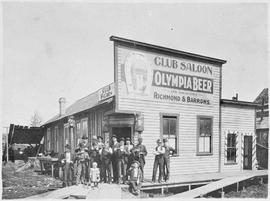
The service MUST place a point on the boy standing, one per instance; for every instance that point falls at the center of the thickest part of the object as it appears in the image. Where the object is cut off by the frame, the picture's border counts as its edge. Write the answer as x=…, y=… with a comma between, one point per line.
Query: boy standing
x=135, y=174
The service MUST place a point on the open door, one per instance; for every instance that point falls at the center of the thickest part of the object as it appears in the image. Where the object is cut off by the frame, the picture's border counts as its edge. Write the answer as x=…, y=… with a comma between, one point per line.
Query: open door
x=247, y=153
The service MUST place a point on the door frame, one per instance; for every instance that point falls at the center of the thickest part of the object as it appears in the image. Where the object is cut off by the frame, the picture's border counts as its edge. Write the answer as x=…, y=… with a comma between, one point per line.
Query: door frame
x=122, y=126
x=249, y=154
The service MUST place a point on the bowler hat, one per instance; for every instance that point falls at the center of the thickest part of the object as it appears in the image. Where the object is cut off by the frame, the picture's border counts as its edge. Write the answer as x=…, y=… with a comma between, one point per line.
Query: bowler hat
x=159, y=141
x=122, y=139
x=127, y=139
x=113, y=136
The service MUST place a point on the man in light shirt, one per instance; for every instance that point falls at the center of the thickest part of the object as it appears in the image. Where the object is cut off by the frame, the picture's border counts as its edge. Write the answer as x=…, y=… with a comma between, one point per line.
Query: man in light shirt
x=67, y=161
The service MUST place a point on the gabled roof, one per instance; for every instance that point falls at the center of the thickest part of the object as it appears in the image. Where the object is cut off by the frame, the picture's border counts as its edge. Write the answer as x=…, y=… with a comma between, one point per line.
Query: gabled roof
x=262, y=96
x=80, y=105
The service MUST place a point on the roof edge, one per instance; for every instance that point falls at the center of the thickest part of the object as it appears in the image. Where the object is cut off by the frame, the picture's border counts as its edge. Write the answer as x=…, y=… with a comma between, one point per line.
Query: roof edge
x=240, y=103
x=165, y=49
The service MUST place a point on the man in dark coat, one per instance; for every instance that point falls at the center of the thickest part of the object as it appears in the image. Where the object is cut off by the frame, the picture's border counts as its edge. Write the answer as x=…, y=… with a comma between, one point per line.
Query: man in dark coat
x=168, y=152
x=106, y=154
x=114, y=147
x=142, y=152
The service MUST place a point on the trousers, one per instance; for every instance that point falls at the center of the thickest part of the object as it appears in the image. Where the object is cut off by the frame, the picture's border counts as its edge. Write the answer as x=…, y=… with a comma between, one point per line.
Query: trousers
x=158, y=164
x=121, y=166
x=67, y=175
x=106, y=170
x=166, y=168
x=81, y=173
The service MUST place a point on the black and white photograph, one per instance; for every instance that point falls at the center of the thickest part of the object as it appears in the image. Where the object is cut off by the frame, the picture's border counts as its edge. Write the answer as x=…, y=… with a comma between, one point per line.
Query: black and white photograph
x=134, y=99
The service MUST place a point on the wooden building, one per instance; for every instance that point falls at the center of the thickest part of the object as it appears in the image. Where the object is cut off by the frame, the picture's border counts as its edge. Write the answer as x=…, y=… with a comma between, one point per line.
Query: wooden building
x=160, y=92
x=262, y=128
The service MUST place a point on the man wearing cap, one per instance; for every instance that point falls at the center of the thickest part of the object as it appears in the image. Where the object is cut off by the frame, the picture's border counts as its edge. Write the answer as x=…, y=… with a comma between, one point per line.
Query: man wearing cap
x=114, y=147
x=142, y=152
x=82, y=158
x=128, y=156
x=168, y=152
x=67, y=161
x=106, y=154
x=120, y=157
x=159, y=161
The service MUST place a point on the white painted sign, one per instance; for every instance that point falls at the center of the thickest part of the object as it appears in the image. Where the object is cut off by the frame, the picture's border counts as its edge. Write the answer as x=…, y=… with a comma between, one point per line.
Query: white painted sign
x=106, y=92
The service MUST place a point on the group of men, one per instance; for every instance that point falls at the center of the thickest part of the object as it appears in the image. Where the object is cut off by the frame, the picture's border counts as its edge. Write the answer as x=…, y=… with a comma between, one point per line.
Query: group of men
x=114, y=160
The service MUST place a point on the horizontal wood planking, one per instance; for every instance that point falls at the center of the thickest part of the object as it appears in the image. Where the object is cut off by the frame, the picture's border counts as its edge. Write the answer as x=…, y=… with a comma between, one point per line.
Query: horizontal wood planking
x=235, y=119
x=187, y=161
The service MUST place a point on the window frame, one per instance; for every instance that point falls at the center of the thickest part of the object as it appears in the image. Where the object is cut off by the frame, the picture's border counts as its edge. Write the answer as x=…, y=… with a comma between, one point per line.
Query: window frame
x=176, y=115
x=231, y=162
x=56, y=138
x=66, y=126
x=198, y=153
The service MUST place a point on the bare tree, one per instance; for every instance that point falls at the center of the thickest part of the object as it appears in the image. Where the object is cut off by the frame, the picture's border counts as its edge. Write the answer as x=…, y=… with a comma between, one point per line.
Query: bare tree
x=35, y=120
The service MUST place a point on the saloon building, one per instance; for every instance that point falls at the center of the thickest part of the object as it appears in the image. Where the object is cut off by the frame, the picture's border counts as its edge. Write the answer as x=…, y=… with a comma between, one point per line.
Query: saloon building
x=160, y=92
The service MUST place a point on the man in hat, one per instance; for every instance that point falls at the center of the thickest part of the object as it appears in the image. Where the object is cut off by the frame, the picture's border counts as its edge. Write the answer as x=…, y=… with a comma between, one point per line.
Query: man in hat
x=128, y=156
x=114, y=147
x=82, y=158
x=159, y=161
x=142, y=152
x=106, y=154
x=168, y=152
x=67, y=161
x=120, y=158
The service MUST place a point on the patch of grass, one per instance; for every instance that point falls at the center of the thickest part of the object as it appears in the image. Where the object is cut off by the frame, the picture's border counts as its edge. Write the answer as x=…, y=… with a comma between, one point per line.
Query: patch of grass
x=254, y=191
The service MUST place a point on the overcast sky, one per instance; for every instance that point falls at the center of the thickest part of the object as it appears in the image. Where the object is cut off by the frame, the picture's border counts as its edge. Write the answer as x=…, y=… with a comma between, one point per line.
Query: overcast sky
x=54, y=50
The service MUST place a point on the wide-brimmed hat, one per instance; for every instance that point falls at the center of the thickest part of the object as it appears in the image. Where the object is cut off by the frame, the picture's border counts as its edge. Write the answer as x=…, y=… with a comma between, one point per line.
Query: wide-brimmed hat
x=113, y=136
x=127, y=139
x=99, y=137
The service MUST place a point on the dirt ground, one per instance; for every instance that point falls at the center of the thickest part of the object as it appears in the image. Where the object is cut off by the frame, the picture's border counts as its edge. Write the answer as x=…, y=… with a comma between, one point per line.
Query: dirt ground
x=26, y=183
x=254, y=191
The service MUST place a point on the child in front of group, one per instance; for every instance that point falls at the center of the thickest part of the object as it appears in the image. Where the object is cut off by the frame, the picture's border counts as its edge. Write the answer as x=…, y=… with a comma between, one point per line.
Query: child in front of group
x=135, y=174
x=94, y=176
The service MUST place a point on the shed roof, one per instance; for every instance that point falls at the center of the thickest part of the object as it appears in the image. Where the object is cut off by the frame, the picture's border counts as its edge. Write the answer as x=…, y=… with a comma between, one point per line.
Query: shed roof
x=24, y=135
x=165, y=50
x=238, y=103
x=80, y=105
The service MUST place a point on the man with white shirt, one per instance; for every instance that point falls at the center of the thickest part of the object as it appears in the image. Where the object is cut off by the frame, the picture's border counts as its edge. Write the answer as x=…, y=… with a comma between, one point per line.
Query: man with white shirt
x=67, y=161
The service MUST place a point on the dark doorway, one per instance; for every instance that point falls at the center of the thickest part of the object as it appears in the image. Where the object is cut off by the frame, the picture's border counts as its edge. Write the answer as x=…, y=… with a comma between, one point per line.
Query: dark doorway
x=247, y=152
x=122, y=132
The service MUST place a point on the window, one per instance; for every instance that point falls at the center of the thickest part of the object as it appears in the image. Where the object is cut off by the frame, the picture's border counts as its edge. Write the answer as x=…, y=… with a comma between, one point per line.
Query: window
x=56, y=139
x=204, y=141
x=231, y=148
x=78, y=131
x=170, y=130
x=84, y=128
x=66, y=134
x=48, y=139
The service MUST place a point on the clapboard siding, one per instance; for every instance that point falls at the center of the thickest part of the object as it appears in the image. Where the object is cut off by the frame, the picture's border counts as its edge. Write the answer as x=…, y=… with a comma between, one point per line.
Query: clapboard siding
x=238, y=120
x=187, y=161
